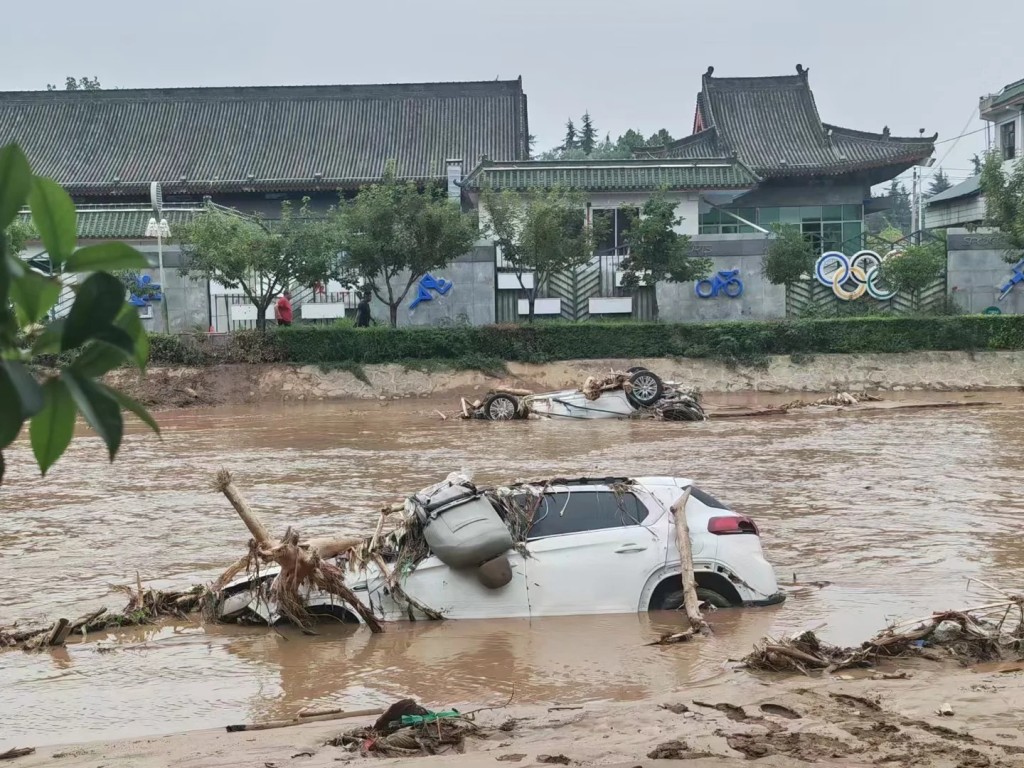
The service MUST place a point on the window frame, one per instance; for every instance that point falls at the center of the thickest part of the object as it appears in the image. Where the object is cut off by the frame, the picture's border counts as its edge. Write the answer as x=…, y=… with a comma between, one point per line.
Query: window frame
x=570, y=491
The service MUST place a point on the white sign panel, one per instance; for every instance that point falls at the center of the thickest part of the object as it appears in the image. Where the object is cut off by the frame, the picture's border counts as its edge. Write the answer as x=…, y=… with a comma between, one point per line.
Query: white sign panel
x=612, y=306
x=510, y=281
x=541, y=307
x=242, y=312
x=324, y=311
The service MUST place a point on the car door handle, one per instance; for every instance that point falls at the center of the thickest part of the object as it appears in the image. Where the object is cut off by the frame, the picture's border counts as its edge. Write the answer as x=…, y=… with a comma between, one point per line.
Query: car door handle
x=627, y=548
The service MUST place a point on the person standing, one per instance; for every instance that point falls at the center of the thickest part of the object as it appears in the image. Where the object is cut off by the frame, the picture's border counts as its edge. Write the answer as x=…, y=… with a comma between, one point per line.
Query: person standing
x=283, y=309
x=363, y=311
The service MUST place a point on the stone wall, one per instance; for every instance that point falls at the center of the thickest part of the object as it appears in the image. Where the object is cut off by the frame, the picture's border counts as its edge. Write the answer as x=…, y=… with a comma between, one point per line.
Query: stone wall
x=759, y=300
x=976, y=267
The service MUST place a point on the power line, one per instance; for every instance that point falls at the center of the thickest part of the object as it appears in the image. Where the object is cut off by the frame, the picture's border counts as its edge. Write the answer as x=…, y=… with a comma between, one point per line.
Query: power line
x=969, y=133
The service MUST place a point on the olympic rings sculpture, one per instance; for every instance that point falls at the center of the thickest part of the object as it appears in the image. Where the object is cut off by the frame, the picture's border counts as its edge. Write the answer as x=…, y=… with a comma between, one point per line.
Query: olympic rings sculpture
x=849, y=278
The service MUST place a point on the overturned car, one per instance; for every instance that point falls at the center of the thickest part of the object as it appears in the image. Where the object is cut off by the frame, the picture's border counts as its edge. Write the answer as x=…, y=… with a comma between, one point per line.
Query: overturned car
x=550, y=548
x=634, y=393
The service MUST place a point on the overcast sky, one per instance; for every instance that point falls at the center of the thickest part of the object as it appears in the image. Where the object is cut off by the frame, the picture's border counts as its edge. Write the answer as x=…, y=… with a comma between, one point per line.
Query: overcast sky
x=908, y=64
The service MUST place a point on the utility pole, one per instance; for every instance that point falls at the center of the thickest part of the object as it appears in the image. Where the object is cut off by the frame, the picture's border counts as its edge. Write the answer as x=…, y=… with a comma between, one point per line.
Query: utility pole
x=914, y=205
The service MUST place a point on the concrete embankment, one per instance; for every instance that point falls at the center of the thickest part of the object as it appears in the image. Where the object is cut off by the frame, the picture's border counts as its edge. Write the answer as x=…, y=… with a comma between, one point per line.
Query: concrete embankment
x=914, y=371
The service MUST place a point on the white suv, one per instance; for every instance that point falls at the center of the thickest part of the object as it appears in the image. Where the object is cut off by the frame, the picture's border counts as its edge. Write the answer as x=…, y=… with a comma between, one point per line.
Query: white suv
x=595, y=546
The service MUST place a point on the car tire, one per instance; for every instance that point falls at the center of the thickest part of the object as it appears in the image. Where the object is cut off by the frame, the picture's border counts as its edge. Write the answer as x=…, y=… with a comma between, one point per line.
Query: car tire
x=635, y=369
x=501, y=407
x=645, y=389
x=673, y=601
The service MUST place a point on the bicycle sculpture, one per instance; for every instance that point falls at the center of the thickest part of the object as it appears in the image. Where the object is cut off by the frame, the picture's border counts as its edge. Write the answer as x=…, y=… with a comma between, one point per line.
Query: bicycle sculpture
x=1016, y=277
x=849, y=278
x=726, y=281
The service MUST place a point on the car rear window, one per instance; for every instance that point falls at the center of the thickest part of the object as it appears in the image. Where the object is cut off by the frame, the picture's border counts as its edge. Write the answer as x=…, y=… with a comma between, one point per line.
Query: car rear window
x=585, y=510
x=707, y=499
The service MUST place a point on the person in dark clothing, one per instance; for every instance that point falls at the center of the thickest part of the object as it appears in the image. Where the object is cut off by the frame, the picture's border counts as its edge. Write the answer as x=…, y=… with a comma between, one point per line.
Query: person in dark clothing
x=363, y=311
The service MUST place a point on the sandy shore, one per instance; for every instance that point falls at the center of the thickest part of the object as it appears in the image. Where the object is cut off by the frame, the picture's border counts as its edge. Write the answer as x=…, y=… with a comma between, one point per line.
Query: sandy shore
x=837, y=721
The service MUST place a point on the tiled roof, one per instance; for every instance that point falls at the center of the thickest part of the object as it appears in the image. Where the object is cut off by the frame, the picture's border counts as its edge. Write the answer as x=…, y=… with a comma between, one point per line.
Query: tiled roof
x=613, y=175
x=197, y=140
x=772, y=124
x=123, y=223
x=969, y=188
x=1009, y=93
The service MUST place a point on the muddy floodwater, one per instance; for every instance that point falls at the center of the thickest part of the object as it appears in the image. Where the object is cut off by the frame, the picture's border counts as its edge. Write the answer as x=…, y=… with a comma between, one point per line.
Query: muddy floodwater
x=898, y=510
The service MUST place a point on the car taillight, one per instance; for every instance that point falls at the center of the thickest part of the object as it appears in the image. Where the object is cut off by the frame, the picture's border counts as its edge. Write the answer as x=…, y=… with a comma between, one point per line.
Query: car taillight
x=724, y=526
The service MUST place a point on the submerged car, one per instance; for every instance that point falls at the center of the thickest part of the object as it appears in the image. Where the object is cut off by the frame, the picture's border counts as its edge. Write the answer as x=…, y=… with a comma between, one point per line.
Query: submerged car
x=636, y=391
x=586, y=546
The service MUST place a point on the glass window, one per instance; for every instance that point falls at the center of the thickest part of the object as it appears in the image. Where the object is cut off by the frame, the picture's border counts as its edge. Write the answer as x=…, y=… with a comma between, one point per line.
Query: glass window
x=832, y=236
x=730, y=229
x=711, y=217
x=604, y=227
x=810, y=213
x=623, y=220
x=706, y=498
x=789, y=215
x=1008, y=139
x=832, y=213
x=851, y=234
x=767, y=216
x=578, y=511
x=852, y=213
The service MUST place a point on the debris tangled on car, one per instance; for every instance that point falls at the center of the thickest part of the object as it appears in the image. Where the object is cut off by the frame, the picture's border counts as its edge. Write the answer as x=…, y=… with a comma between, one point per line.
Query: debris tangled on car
x=635, y=393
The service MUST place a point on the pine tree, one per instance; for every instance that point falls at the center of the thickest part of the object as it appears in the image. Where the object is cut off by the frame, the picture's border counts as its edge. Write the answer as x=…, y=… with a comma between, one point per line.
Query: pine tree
x=901, y=215
x=571, y=140
x=588, y=134
x=977, y=163
x=940, y=183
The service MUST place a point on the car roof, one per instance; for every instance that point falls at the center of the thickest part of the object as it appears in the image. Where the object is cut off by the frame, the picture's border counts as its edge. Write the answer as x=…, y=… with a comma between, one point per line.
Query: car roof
x=674, y=482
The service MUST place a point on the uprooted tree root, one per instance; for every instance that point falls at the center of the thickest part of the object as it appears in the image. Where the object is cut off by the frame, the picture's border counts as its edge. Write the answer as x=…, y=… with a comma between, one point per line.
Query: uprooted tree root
x=987, y=633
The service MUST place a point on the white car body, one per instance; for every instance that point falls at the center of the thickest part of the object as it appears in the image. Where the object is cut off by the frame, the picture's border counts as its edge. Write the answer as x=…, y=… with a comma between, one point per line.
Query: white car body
x=609, y=569
x=573, y=404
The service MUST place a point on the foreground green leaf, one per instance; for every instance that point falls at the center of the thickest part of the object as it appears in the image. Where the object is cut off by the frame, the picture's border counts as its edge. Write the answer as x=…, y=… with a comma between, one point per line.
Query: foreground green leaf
x=33, y=295
x=53, y=214
x=134, y=406
x=108, y=349
x=15, y=182
x=101, y=411
x=128, y=321
x=10, y=415
x=100, y=298
x=48, y=342
x=106, y=257
x=29, y=393
x=52, y=428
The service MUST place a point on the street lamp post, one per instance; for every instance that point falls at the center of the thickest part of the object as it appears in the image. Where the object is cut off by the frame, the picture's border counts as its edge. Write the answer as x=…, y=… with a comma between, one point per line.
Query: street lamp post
x=160, y=230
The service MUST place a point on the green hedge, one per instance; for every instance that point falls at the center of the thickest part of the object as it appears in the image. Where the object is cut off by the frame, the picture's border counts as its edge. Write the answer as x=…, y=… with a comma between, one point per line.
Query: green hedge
x=738, y=341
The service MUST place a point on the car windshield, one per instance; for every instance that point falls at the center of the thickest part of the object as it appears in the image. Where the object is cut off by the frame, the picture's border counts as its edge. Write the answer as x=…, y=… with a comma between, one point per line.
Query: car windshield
x=576, y=511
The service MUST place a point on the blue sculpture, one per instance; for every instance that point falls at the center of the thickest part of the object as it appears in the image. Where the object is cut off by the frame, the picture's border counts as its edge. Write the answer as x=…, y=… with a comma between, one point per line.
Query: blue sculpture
x=427, y=284
x=147, y=291
x=726, y=281
x=1016, y=277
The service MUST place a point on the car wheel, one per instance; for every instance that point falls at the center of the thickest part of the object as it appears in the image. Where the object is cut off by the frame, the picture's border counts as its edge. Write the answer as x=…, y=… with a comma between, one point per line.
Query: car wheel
x=673, y=601
x=645, y=389
x=635, y=369
x=501, y=407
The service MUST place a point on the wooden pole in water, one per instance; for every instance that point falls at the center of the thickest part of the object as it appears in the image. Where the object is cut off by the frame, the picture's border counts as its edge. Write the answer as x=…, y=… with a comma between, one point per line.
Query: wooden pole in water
x=690, y=601
x=226, y=486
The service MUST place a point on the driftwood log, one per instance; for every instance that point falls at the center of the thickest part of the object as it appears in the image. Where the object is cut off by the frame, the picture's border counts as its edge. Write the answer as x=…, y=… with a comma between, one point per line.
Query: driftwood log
x=301, y=719
x=690, y=601
x=302, y=565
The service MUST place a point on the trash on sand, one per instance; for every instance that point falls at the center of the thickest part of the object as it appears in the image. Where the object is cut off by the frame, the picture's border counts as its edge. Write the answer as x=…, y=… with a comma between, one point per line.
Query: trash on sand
x=637, y=393
x=675, y=709
x=945, y=710
x=674, y=750
x=406, y=729
x=988, y=632
x=553, y=759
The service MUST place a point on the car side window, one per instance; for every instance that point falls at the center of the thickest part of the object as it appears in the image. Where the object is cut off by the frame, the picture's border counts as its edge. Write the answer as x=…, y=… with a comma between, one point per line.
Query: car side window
x=707, y=499
x=585, y=510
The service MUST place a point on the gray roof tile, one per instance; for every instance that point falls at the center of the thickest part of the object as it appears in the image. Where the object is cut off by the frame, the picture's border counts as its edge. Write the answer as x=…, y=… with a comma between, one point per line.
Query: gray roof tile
x=262, y=138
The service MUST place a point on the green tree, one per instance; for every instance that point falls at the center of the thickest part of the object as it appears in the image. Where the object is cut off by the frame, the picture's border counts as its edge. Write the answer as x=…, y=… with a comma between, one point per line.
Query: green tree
x=976, y=163
x=1004, y=202
x=395, y=234
x=657, y=252
x=262, y=258
x=542, y=232
x=19, y=232
x=588, y=134
x=915, y=268
x=789, y=256
x=660, y=139
x=571, y=141
x=940, y=183
x=81, y=84
x=50, y=373
x=900, y=215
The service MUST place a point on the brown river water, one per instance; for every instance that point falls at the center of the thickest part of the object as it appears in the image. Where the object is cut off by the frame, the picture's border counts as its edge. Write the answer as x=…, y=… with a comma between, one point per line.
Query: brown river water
x=898, y=510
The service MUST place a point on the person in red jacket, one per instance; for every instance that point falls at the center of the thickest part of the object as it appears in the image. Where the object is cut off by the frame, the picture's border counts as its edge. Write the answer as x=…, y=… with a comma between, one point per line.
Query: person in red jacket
x=283, y=309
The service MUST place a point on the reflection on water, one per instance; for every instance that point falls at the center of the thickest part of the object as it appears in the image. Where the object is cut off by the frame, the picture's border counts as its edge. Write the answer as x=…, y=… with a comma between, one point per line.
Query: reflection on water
x=895, y=509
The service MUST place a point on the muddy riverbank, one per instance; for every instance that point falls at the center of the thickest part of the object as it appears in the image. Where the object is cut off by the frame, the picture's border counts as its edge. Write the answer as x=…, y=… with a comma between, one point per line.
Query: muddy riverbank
x=780, y=723
x=915, y=371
